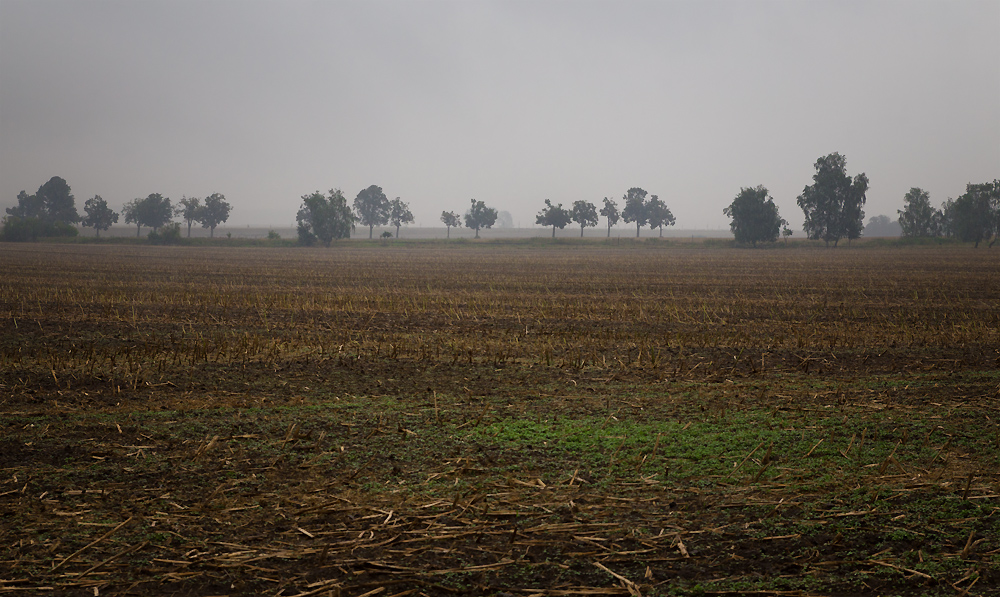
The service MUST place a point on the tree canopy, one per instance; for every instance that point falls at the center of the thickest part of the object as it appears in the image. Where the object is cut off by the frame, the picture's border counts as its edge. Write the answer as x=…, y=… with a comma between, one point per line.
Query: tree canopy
x=188, y=209
x=754, y=217
x=584, y=213
x=918, y=217
x=99, y=215
x=975, y=216
x=372, y=207
x=553, y=215
x=658, y=214
x=635, y=208
x=479, y=216
x=399, y=214
x=154, y=211
x=53, y=203
x=324, y=219
x=214, y=212
x=450, y=219
x=610, y=211
x=833, y=204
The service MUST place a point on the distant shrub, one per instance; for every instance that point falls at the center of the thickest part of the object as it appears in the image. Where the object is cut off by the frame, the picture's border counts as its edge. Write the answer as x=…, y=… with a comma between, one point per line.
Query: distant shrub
x=272, y=235
x=31, y=229
x=168, y=235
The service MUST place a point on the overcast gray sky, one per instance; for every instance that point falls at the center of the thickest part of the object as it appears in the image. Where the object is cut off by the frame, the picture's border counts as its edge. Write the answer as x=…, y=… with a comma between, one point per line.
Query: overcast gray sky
x=509, y=102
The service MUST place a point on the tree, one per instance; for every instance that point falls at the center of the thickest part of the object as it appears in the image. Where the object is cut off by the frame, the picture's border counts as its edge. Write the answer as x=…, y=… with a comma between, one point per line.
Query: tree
x=882, y=225
x=658, y=214
x=451, y=220
x=754, y=217
x=153, y=211
x=785, y=230
x=479, y=216
x=833, y=204
x=157, y=211
x=373, y=208
x=918, y=217
x=188, y=210
x=504, y=220
x=399, y=214
x=28, y=206
x=214, y=212
x=53, y=203
x=324, y=219
x=975, y=216
x=635, y=208
x=99, y=215
x=553, y=215
x=610, y=211
x=60, y=206
x=131, y=211
x=584, y=213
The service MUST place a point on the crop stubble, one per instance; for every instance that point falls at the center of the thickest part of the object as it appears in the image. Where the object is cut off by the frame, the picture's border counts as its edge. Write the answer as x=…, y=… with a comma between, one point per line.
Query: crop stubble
x=483, y=418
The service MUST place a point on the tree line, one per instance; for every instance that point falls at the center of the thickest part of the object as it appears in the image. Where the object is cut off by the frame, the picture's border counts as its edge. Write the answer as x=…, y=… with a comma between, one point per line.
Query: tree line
x=833, y=207
x=325, y=218
x=51, y=211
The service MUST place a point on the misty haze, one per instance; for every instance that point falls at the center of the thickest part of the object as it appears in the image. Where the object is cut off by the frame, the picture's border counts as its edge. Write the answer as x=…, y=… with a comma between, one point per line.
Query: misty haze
x=499, y=298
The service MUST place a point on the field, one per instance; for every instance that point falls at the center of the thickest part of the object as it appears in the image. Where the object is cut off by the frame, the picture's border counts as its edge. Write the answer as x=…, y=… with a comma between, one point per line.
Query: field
x=522, y=418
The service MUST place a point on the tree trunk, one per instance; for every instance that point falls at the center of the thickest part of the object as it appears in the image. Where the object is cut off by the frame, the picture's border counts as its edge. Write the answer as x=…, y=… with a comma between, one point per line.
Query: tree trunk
x=189, y=228
x=637, y=229
x=477, y=232
x=609, y=229
x=581, y=230
x=553, y=232
x=397, y=231
x=449, y=231
x=138, y=229
x=211, y=232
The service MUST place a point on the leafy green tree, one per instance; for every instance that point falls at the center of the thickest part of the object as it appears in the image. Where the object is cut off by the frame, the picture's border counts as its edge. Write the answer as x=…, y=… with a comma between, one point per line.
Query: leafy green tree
x=610, y=211
x=53, y=203
x=635, y=209
x=131, y=210
x=372, y=207
x=975, y=216
x=584, y=213
x=754, y=217
x=28, y=206
x=658, y=214
x=553, y=215
x=154, y=211
x=451, y=220
x=99, y=215
x=833, y=204
x=399, y=214
x=214, y=212
x=786, y=231
x=918, y=217
x=324, y=219
x=60, y=206
x=189, y=210
x=157, y=211
x=479, y=216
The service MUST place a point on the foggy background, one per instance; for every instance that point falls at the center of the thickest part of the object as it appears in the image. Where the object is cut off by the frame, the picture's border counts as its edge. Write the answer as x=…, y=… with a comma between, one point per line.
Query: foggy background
x=511, y=102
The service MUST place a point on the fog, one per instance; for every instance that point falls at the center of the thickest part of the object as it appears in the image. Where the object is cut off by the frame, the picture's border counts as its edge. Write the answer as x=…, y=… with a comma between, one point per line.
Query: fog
x=511, y=102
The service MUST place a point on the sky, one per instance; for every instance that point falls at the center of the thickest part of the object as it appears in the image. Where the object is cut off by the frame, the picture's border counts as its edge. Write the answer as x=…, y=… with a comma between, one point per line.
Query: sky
x=508, y=102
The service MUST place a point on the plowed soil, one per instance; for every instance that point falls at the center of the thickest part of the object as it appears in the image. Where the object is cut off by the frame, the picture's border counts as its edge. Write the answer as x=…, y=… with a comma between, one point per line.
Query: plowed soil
x=499, y=419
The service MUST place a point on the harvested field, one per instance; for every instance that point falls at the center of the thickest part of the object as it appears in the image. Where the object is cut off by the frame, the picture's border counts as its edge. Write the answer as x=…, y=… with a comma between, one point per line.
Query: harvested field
x=499, y=419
